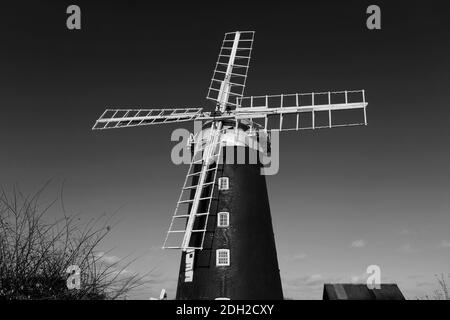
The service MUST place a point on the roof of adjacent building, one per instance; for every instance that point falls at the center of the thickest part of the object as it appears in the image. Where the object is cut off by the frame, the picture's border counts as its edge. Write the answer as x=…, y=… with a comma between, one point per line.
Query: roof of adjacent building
x=348, y=291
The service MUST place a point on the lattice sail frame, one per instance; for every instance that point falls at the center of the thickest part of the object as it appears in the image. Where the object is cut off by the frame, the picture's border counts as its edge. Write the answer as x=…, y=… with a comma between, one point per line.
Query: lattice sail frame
x=260, y=110
x=197, y=193
x=120, y=118
x=230, y=74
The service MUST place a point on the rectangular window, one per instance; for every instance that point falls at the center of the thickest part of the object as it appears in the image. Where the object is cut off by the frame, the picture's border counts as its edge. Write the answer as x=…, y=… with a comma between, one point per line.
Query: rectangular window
x=223, y=219
x=224, y=183
x=222, y=257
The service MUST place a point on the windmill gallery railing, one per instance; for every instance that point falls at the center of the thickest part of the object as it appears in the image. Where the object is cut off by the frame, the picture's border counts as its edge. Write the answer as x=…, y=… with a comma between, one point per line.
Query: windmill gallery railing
x=300, y=111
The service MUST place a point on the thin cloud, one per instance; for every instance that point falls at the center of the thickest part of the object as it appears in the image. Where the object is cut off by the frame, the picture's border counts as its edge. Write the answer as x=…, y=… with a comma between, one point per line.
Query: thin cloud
x=305, y=281
x=415, y=276
x=121, y=272
x=362, y=278
x=295, y=257
x=310, y=281
x=445, y=244
x=314, y=280
x=358, y=244
x=406, y=248
x=425, y=284
x=108, y=259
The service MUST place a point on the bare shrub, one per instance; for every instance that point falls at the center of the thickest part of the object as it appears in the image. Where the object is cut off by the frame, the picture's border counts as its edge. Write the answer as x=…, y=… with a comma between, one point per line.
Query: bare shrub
x=35, y=254
x=442, y=293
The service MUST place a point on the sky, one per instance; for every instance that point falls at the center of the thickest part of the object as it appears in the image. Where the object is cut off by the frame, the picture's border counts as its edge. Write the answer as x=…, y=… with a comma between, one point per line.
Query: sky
x=343, y=199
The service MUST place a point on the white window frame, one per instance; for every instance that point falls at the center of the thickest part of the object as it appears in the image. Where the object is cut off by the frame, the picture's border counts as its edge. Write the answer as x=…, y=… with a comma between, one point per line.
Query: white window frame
x=227, y=215
x=225, y=181
x=218, y=253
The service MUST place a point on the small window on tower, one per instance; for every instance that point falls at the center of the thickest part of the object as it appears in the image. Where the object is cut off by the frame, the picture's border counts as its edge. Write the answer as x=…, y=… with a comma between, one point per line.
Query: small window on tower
x=223, y=219
x=224, y=183
x=222, y=257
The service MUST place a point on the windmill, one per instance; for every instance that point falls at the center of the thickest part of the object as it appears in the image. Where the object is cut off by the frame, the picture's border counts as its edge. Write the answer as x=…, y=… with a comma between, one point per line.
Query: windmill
x=222, y=222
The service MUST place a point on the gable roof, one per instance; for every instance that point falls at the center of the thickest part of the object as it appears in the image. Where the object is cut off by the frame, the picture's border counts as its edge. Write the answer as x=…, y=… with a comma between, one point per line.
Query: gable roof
x=349, y=291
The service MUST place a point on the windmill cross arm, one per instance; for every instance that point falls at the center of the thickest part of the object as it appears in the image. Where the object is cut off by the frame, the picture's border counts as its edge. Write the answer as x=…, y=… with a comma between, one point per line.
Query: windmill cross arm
x=120, y=118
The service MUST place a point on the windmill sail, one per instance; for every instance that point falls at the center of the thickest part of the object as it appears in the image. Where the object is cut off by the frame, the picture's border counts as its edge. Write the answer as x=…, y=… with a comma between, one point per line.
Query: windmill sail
x=188, y=225
x=120, y=118
x=230, y=73
x=304, y=110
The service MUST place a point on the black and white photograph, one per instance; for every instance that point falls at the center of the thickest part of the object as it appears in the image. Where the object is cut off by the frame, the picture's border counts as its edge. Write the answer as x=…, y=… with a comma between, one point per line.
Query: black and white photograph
x=249, y=154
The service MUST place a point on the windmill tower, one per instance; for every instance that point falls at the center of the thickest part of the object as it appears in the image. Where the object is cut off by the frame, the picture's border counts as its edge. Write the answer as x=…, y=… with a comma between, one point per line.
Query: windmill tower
x=222, y=221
